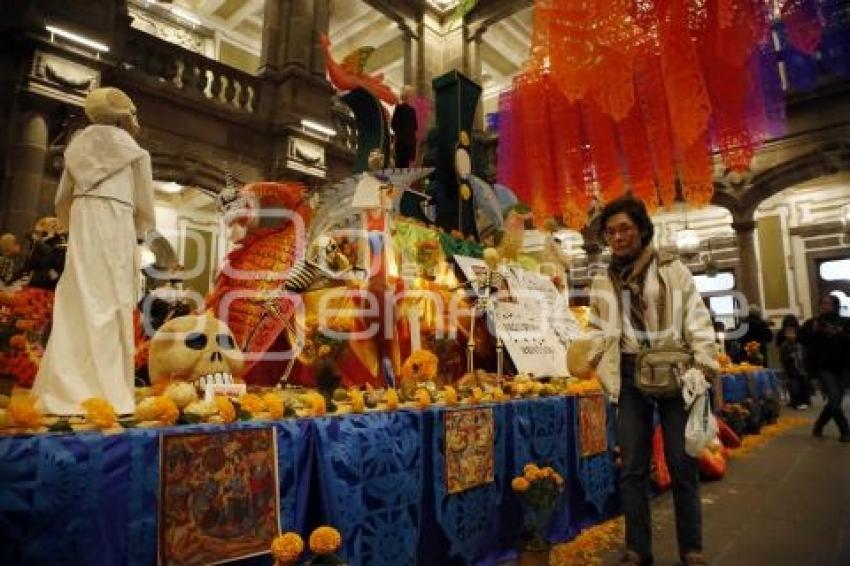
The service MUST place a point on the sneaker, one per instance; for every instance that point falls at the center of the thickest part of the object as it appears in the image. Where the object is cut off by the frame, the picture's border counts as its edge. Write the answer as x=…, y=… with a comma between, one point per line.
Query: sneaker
x=802, y=407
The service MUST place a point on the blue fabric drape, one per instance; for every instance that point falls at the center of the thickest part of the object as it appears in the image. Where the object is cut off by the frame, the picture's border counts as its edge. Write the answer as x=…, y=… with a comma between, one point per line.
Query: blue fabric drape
x=379, y=477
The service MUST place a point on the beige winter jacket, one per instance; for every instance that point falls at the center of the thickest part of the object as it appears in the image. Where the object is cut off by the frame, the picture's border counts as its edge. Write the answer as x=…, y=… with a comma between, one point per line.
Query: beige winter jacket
x=686, y=322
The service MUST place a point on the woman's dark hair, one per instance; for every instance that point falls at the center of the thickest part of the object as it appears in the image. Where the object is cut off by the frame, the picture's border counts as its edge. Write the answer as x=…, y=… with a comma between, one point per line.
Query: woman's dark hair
x=634, y=209
x=788, y=321
x=836, y=302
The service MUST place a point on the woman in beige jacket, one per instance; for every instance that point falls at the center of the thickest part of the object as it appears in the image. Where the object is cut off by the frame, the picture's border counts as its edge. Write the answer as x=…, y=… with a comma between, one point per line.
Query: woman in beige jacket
x=648, y=299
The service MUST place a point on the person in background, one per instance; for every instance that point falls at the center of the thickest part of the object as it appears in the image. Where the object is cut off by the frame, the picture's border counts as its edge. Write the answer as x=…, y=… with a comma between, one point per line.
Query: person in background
x=826, y=338
x=648, y=297
x=404, y=127
x=10, y=252
x=791, y=355
x=756, y=329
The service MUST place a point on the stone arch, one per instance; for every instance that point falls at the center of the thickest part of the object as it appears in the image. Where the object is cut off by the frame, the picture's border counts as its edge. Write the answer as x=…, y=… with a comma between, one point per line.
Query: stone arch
x=828, y=159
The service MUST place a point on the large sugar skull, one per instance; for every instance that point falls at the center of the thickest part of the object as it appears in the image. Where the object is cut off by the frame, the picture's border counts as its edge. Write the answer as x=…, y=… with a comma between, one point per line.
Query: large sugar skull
x=196, y=348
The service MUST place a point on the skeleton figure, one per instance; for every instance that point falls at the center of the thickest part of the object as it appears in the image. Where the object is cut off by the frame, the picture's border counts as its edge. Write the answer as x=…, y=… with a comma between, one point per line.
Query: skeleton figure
x=486, y=286
x=323, y=261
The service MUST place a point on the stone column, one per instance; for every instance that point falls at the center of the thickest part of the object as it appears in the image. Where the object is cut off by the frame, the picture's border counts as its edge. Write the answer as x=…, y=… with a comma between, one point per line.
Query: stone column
x=27, y=154
x=407, y=43
x=421, y=78
x=748, y=273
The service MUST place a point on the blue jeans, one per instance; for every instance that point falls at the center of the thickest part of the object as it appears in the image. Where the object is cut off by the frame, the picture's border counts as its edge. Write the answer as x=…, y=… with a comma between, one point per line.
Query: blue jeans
x=634, y=433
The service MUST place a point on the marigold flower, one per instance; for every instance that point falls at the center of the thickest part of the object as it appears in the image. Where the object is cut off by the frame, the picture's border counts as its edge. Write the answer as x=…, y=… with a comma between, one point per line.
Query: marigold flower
x=530, y=469
x=423, y=399
x=275, y=405
x=252, y=403
x=99, y=412
x=520, y=484
x=392, y=399
x=287, y=547
x=23, y=411
x=317, y=404
x=225, y=409
x=450, y=395
x=358, y=402
x=420, y=366
x=325, y=540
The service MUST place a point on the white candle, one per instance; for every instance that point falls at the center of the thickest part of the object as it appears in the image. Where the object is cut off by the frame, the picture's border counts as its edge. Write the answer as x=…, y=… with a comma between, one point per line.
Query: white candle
x=415, y=332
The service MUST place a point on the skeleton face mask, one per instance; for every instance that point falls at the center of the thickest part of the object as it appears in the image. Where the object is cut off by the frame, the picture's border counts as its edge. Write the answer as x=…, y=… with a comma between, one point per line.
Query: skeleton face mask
x=195, y=348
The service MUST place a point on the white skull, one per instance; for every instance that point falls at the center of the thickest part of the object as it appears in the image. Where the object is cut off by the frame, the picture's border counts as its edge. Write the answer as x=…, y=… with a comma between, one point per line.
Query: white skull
x=196, y=348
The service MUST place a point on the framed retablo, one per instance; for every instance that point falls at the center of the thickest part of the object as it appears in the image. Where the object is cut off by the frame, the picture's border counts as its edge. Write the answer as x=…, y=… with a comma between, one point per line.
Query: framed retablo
x=469, y=437
x=218, y=496
x=592, y=425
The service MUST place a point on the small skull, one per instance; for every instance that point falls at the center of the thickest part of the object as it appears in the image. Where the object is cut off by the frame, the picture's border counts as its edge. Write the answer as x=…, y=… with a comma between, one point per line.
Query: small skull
x=196, y=348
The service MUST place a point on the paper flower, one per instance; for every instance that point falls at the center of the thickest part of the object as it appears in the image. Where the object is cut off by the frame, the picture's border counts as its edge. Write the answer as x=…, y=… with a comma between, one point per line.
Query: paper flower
x=99, y=412
x=287, y=547
x=23, y=412
x=325, y=540
x=225, y=409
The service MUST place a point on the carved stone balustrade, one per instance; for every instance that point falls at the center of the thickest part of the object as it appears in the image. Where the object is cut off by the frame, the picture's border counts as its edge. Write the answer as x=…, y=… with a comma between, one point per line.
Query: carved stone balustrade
x=194, y=75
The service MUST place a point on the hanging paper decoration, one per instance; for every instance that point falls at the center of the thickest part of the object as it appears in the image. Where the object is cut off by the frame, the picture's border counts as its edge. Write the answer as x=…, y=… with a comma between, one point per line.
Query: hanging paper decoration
x=660, y=86
x=803, y=25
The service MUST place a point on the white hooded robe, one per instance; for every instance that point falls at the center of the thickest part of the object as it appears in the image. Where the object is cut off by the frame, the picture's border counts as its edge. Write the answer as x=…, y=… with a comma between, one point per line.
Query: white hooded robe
x=105, y=197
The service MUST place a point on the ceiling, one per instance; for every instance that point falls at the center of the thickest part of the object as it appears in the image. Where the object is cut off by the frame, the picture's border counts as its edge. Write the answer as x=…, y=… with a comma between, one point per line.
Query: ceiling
x=354, y=23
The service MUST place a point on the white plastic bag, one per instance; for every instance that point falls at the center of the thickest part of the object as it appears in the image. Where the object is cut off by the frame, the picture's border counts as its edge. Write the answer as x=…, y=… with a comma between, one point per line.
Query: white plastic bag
x=701, y=427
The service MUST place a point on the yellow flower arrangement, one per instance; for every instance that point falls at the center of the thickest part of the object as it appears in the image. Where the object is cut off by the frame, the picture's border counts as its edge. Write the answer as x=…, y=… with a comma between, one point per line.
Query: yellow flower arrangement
x=225, y=409
x=420, y=366
x=325, y=540
x=392, y=399
x=539, y=489
x=358, y=402
x=316, y=404
x=287, y=547
x=450, y=395
x=99, y=412
x=252, y=403
x=23, y=412
x=476, y=396
x=423, y=399
x=275, y=405
x=520, y=484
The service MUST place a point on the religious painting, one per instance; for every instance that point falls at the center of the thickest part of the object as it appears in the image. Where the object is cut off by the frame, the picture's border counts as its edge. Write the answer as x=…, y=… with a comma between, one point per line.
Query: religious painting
x=218, y=496
x=592, y=425
x=469, y=437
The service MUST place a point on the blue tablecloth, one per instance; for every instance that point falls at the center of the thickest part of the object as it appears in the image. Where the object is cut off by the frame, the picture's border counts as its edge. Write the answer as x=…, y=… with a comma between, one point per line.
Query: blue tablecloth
x=378, y=477
x=759, y=385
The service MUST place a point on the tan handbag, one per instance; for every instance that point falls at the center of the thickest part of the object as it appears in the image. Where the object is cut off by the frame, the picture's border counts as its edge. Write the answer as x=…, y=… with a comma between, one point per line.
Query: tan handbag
x=659, y=371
